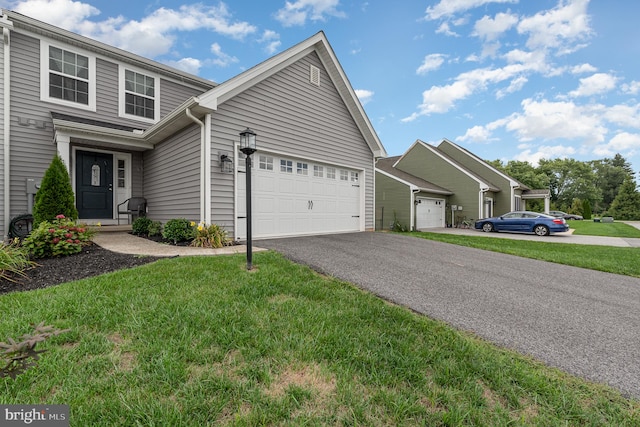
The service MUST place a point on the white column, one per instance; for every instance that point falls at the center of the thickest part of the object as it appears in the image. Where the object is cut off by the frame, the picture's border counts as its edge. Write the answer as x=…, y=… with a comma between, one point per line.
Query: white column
x=63, y=145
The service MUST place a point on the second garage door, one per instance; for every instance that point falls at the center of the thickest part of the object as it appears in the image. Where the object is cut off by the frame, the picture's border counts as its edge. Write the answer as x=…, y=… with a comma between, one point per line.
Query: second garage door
x=296, y=197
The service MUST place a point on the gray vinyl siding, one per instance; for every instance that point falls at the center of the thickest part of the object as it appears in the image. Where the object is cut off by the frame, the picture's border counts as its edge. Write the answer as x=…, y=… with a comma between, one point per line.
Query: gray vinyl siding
x=393, y=200
x=3, y=229
x=291, y=116
x=173, y=94
x=32, y=135
x=421, y=162
x=172, y=177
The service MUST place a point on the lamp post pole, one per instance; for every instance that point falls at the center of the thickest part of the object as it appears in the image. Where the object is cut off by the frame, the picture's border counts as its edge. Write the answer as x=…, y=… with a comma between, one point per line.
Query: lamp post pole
x=249, y=243
x=248, y=147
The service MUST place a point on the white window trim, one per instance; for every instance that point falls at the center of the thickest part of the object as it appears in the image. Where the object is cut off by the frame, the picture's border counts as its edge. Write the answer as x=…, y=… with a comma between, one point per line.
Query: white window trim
x=44, y=76
x=122, y=97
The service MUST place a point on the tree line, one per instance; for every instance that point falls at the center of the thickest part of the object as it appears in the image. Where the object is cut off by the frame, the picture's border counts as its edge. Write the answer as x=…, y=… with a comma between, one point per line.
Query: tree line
x=606, y=187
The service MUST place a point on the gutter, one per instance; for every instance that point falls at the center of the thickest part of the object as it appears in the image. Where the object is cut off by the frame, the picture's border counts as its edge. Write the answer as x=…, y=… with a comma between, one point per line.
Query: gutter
x=202, y=162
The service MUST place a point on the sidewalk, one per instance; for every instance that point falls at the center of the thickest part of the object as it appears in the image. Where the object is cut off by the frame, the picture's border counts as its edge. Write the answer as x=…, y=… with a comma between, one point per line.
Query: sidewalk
x=123, y=242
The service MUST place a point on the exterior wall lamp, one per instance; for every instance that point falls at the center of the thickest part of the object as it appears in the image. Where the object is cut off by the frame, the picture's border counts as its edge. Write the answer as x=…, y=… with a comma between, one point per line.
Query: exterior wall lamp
x=226, y=163
x=248, y=147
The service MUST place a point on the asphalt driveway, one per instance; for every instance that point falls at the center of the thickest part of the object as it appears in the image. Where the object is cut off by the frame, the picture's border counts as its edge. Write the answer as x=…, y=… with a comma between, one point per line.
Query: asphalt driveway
x=582, y=321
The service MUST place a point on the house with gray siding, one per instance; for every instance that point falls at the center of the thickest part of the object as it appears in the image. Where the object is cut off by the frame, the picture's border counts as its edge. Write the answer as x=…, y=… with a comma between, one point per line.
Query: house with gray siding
x=437, y=186
x=127, y=126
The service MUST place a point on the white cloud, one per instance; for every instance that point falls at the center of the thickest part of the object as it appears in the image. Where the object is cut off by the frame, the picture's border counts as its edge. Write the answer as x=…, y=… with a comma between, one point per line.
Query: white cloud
x=152, y=36
x=559, y=28
x=594, y=85
x=298, y=12
x=221, y=59
x=431, y=62
x=583, y=68
x=272, y=41
x=450, y=7
x=364, y=95
x=631, y=88
x=623, y=142
x=189, y=65
x=544, y=152
x=623, y=115
x=490, y=29
x=446, y=30
x=66, y=14
x=476, y=134
x=516, y=85
x=545, y=120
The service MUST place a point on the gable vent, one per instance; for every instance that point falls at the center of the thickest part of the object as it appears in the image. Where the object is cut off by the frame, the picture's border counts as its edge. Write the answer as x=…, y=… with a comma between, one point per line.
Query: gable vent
x=314, y=75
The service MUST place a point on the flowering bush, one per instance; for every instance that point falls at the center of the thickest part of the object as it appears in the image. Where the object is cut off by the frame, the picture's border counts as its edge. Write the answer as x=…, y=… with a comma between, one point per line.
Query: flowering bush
x=212, y=236
x=62, y=236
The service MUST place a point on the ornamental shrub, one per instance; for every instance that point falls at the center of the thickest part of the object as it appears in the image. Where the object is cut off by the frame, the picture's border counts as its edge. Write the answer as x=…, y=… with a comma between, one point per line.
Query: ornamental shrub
x=586, y=209
x=59, y=237
x=140, y=226
x=155, y=228
x=55, y=195
x=212, y=236
x=14, y=260
x=179, y=230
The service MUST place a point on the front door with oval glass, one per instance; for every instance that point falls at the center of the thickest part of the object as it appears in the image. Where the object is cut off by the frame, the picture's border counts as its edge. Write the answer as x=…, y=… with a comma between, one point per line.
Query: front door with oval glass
x=94, y=185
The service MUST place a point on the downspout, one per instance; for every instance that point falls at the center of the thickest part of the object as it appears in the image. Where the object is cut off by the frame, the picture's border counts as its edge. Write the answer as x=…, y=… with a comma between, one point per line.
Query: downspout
x=202, y=167
x=414, y=220
x=207, y=168
x=6, y=121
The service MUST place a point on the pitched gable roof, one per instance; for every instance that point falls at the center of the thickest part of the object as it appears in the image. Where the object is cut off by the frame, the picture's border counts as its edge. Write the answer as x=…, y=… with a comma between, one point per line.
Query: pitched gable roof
x=386, y=166
x=260, y=72
x=513, y=182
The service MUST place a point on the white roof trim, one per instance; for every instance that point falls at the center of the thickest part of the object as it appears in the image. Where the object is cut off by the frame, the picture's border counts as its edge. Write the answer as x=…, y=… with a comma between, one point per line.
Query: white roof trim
x=412, y=186
x=513, y=183
x=483, y=185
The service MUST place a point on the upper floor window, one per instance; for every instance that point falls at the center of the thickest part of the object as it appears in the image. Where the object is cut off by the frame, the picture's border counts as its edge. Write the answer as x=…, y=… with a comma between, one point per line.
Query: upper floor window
x=67, y=77
x=139, y=95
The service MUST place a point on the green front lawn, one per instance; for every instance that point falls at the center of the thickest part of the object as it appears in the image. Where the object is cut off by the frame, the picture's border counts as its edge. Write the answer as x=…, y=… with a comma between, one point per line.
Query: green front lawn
x=618, y=260
x=196, y=341
x=610, y=229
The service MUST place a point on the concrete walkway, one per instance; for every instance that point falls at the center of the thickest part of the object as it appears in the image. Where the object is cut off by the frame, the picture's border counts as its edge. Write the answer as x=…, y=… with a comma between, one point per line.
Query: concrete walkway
x=123, y=242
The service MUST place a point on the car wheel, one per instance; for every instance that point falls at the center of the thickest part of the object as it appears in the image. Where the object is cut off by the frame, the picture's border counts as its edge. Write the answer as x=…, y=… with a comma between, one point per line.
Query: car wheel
x=487, y=227
x=541, y=230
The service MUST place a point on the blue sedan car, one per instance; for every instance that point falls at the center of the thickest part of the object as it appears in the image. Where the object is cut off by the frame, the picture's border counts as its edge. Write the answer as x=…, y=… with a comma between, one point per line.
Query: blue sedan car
x=524, y=222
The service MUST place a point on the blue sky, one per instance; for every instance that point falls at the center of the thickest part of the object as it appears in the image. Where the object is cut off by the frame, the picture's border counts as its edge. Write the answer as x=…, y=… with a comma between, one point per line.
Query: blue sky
x=507, y=79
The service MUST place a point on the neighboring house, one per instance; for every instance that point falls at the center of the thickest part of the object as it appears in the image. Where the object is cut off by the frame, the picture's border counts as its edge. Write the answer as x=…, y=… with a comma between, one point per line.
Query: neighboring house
x=128, y=126
x=442, y=186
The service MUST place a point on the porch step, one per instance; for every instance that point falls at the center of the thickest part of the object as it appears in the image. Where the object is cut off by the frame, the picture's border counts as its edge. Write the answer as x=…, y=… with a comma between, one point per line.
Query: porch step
x=110, y=228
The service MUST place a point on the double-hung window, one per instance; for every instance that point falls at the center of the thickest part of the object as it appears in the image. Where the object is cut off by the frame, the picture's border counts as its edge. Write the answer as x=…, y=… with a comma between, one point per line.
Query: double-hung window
x=138, y=95
x=67, y=76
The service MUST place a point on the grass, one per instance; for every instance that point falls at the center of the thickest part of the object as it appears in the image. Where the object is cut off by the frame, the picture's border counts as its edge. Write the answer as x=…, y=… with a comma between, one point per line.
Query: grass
x=611, y=229
x=617, y=260
x=196, y=341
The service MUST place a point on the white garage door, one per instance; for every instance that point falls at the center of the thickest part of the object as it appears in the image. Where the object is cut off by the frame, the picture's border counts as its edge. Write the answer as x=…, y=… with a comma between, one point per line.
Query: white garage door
x=429, y=213
x=295, y=197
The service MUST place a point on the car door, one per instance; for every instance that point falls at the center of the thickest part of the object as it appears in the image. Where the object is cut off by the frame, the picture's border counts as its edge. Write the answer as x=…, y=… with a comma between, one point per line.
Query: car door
x=508, y=222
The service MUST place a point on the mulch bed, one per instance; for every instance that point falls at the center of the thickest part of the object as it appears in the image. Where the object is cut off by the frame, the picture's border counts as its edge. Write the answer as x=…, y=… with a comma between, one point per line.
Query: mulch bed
x=92, y=261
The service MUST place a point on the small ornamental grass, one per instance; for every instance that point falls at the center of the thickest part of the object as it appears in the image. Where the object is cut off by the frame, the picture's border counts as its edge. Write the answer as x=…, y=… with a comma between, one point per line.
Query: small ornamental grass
x=210, y=236
x=14, y=260
x=60, y=237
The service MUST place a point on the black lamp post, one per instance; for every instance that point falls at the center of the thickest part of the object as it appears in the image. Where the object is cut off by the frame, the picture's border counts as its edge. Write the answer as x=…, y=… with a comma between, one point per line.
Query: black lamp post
x=248, y=147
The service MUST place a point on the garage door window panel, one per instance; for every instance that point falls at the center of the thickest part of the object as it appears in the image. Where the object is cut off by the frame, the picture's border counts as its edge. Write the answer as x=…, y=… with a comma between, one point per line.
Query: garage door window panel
x=286, y=166
x=265, y=163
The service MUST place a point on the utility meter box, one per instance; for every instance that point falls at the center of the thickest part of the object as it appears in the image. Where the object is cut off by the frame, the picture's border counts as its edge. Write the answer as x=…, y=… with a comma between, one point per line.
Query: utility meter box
x=32, y=186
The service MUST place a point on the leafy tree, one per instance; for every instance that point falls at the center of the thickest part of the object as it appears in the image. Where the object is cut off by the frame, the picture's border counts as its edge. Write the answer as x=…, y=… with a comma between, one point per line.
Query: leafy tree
x=570, y=179
x=55, y=196
x=576, y=207
x=626, y=205
x=610, y=174
x=586, y=209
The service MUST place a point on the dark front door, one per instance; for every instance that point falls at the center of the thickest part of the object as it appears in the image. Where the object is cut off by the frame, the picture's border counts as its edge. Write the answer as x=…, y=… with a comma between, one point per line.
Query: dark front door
x=94, y=185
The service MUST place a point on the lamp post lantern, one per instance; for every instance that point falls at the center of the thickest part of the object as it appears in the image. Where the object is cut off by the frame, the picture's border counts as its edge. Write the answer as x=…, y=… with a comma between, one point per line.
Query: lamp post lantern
x=248, y=147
